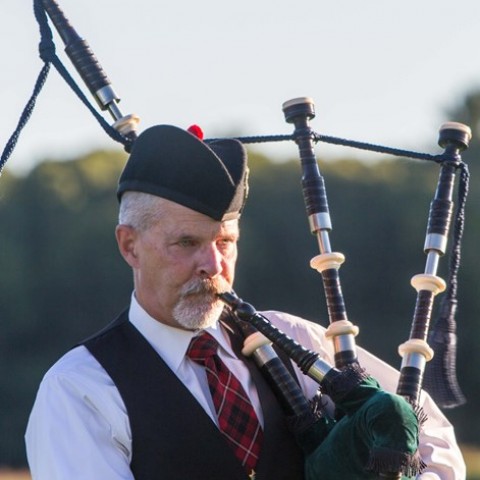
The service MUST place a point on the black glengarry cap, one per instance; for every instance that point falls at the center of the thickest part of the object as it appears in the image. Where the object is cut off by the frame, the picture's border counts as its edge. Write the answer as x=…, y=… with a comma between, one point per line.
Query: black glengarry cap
x=169, y=162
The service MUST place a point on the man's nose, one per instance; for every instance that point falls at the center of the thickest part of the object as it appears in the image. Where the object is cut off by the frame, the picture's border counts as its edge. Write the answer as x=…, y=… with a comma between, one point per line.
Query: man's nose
x=211, y=262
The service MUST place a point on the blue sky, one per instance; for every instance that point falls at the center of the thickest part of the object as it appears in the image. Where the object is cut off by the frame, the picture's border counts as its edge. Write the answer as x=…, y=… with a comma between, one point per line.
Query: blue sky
x=379, y=71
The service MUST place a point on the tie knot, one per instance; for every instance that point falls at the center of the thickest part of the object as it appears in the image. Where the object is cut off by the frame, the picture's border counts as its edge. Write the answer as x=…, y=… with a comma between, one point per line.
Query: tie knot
x=202, y=347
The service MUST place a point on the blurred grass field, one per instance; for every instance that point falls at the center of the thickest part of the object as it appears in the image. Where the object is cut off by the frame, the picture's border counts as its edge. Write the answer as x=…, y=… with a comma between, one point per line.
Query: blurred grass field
x=14, y=475
x=472, y=459
x=471, y=454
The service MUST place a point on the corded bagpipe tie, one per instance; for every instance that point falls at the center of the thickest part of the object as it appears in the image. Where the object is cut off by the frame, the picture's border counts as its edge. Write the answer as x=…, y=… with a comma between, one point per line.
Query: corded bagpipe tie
x=47, y=53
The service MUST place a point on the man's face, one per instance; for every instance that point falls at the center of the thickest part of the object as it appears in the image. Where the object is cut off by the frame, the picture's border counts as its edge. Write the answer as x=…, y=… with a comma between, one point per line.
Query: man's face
x=180, y=264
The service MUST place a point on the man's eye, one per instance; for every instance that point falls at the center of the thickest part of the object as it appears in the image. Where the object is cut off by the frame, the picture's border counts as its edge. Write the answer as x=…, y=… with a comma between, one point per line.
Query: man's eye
x=186, y=242
x=225, y=242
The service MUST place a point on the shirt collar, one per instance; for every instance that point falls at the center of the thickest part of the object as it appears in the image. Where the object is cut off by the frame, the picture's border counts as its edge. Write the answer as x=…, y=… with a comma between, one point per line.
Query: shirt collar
x=169, y=342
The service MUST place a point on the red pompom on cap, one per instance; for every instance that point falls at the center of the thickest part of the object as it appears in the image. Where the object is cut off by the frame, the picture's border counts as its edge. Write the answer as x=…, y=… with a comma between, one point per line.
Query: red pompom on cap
x=196, y=130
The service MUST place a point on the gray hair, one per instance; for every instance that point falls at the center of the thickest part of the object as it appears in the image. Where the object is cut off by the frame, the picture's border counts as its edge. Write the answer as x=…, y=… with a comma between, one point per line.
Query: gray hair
x=140, y=210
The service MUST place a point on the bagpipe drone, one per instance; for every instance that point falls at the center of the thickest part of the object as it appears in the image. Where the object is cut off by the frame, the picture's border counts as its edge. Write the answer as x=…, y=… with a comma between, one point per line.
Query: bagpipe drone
x=376, y=431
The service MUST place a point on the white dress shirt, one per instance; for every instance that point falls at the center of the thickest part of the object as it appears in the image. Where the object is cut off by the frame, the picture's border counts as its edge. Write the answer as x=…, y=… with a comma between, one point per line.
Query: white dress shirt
x=79, y=428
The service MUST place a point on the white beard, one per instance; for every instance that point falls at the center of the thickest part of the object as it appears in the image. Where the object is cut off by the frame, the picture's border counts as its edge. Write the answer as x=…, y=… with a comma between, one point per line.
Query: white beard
x=198, y=307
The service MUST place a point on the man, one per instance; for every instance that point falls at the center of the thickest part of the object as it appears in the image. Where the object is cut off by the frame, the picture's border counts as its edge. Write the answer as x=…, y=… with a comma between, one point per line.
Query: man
x=135, y=401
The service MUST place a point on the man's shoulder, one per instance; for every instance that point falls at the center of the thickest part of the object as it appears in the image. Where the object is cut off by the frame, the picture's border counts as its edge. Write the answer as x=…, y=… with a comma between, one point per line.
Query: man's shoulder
x=76, y=367
x=79, y=361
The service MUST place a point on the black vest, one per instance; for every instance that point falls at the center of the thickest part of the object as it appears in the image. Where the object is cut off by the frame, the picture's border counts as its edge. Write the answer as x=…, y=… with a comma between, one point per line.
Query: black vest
x=172, y=436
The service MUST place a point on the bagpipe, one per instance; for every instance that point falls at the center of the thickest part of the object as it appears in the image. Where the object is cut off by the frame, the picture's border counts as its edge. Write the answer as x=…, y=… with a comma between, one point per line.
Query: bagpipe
x=375, y=433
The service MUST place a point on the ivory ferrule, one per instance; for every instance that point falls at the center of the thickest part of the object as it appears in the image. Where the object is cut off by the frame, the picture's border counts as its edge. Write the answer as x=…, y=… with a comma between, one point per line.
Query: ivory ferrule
x=326, y=261
x=342, y=333
x=431, y=283
x=341, y=327
x=127, y=124
x=254, y=342
x=413, y=349
x=297, y=101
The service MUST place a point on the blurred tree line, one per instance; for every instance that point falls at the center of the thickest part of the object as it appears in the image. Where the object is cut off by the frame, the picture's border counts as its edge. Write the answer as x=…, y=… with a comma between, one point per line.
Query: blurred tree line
x=61, y=277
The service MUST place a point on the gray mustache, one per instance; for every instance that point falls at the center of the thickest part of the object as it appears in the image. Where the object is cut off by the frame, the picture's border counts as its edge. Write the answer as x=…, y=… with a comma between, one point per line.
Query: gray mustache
x=206, y=287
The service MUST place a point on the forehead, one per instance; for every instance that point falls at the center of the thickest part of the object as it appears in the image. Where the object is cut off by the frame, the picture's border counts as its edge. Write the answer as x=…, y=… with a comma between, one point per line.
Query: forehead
x=182, y=220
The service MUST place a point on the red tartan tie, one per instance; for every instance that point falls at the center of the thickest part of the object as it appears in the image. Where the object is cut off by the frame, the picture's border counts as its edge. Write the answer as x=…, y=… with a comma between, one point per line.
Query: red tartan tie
x=236, y=416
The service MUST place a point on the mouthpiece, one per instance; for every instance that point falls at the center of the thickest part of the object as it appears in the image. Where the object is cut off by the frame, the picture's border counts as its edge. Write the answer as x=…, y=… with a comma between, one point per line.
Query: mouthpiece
x=243, y=309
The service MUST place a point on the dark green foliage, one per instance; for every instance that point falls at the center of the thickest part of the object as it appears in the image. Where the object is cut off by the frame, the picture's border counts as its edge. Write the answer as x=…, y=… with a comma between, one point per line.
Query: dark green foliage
x=61, y=277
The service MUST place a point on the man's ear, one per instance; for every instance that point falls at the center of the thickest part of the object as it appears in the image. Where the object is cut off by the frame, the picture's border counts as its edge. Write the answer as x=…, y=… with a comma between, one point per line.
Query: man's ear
x=126, y=240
